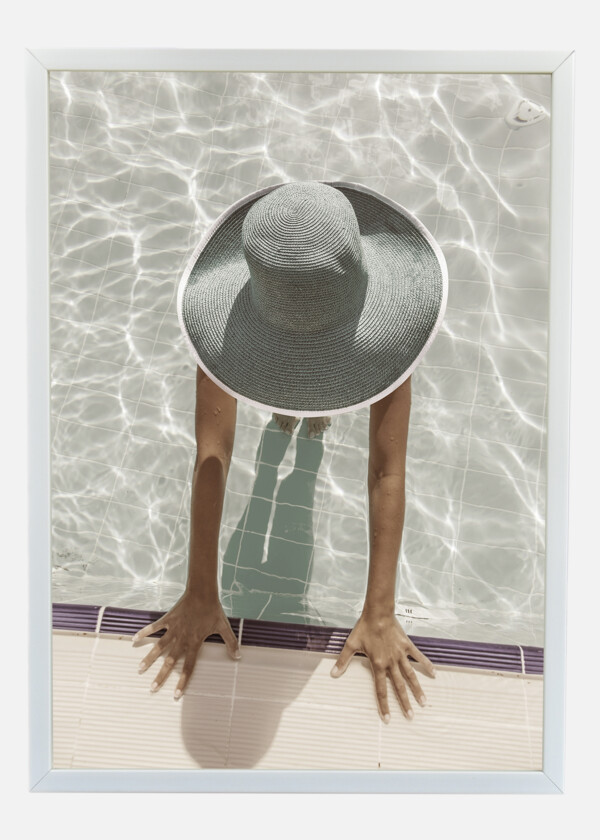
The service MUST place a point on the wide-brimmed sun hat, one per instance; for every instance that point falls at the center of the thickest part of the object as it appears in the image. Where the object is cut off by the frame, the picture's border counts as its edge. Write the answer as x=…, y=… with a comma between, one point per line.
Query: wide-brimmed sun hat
x=313, y=297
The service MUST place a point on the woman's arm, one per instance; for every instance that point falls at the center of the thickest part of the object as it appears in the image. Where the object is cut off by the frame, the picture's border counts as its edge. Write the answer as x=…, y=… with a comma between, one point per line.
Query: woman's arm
x=377, y=632
x=199, y=613
x=388, y=434
x=215, y=432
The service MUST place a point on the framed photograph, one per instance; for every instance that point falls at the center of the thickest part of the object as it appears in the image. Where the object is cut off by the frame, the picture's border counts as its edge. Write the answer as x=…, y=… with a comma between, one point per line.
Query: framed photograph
x=345, y=278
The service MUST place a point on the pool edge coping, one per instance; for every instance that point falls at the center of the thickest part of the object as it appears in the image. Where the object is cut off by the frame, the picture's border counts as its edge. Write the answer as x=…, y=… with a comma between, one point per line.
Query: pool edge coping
x=526, y=660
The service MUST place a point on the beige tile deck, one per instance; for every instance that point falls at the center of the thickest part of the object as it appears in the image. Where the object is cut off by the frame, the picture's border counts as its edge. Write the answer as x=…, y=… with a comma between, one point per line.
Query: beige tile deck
x=281, y=710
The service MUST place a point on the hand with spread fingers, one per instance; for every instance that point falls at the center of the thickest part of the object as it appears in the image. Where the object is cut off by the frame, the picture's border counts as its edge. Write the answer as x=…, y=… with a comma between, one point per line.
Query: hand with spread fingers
x=198, y=613
x=377, y=632
x=188, y=624
x=388, y=648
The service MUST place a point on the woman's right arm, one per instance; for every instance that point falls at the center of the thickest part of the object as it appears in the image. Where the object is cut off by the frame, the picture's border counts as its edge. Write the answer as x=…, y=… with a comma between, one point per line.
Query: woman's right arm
x=215, y=433
x=199, y=613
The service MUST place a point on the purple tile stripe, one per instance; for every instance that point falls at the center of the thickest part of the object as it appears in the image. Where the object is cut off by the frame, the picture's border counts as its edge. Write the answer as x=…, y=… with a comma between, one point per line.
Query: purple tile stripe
x=75, y=617
x=276, y=634
x=534, y=659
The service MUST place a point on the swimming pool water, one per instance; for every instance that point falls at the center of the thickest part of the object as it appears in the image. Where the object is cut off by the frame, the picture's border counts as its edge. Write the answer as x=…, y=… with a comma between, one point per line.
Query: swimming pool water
x=141, y=164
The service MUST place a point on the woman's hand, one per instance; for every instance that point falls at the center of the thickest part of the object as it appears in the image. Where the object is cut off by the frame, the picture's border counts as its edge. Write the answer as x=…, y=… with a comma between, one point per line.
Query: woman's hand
x=188, y=624
x=388, y=647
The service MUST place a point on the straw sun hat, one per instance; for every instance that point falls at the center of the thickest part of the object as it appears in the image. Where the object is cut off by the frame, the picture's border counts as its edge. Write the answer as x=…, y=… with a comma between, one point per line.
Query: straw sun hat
x=312, y=297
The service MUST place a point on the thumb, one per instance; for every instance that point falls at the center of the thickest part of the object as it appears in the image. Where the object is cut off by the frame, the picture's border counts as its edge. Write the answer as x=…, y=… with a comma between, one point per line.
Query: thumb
x=343, y=660
x=230, y=640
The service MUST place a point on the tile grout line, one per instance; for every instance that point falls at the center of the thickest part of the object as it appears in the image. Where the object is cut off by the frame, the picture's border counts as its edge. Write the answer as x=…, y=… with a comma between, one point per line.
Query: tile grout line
x=527, y=715
x=320, y=546
x=309, y=584
x=273, y=503
x=242, y=523
x=240, y=459
x=190, y=411
x=99, y=620
x=88, y=679
x=490, y=296
x=232, y=696
x=294, y=506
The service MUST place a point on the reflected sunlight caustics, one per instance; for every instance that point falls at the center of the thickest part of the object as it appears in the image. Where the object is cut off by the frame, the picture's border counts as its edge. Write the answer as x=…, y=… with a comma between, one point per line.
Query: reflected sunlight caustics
x=141, y=164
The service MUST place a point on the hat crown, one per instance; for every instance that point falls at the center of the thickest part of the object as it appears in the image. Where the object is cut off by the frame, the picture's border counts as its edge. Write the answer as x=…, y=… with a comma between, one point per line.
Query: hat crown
x=303, y=248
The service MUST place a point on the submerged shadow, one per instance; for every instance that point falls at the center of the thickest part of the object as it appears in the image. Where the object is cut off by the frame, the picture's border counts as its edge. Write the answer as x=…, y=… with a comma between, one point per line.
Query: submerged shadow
x=266, y=572
x=268, y=560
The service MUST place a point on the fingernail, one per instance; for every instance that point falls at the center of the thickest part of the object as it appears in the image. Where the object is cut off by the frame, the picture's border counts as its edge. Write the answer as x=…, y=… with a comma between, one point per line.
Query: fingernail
x=237, y=654
x=422, y=699
x=135, y=638
x=142, y=667
x=177, y=694
x=386, y=718
x=335, y=671
x=410, y=714
x=434, y=672
x=154, y=686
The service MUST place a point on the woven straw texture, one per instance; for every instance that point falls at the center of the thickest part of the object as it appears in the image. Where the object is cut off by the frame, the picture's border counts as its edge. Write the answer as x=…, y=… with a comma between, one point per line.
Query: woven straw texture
x=314, y=297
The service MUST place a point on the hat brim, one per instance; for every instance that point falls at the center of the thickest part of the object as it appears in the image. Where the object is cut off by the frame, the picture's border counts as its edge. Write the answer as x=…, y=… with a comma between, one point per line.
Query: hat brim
x=328, y=371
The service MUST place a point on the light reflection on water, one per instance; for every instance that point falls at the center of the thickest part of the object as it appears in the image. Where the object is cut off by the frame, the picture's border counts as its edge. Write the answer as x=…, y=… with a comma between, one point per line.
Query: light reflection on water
x=141, y=164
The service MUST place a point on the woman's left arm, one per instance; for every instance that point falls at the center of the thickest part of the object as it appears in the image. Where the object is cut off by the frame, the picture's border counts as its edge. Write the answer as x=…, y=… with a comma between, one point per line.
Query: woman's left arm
x=377, y=632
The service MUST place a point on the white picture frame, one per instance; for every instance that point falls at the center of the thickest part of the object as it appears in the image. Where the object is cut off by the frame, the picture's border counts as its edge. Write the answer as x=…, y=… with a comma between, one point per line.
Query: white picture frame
x=42, y=777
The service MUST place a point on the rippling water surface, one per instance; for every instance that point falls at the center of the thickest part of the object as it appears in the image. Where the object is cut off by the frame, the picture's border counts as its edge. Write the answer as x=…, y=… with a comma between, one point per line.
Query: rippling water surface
x=141, y=164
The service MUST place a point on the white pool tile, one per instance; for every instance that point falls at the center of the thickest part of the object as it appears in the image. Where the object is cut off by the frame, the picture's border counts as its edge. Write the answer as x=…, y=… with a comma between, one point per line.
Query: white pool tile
x=268, y=735
x=472, y=721
x=71, y=658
